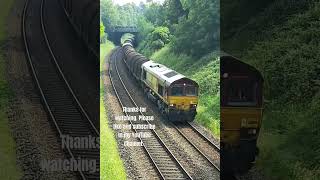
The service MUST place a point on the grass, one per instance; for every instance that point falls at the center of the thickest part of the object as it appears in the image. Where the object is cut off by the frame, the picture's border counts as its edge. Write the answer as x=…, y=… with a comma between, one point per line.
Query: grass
x=111, y=163
x=105, y=49
x=8, y=165
x=4, y=11
x=288, y=57
x=206, y=72
x=289, y=144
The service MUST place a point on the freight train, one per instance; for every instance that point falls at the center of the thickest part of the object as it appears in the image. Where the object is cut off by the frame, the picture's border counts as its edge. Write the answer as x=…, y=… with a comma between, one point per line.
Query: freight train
x=176, y=96
x=241, y=114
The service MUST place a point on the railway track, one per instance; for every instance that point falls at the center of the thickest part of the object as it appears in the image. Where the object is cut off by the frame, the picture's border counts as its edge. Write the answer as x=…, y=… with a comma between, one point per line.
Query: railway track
x=205, y=147
x=209, y=150
x=64, y=109
x=165, y=163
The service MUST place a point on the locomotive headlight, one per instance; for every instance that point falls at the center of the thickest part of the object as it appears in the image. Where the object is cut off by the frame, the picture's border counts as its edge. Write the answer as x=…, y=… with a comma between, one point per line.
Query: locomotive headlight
x=225, y=75
x=171, y=105
x=193, y=106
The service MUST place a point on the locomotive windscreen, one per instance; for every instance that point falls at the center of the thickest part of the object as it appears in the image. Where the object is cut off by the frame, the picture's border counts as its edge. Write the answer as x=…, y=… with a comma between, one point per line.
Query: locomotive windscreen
x=183, y=90
x=177, y=91
x=241, y=92
x=191, y=91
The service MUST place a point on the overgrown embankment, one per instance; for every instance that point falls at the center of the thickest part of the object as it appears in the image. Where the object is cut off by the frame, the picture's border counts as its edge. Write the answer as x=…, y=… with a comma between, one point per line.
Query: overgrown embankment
x=286, y=51
x=111, y=163
x=206, y=72
x=183, y=36
x=8, y=165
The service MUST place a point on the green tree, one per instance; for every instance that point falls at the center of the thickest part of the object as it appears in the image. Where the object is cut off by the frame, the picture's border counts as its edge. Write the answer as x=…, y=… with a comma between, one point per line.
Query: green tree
x=173, y=11
x=162, y=33
x=102, y=32
x=154, y=13
x=198, y=33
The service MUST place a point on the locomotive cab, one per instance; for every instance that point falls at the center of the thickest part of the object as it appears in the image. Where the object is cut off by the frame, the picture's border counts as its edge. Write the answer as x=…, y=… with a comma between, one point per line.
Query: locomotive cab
x=241, y=113
x=183, y=99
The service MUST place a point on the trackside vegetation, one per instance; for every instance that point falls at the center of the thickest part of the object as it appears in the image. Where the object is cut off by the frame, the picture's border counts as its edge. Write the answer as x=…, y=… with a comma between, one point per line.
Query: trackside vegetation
x=184, y=35
x=8, y=164
x=181, y=34
x=110, y=162
x=204, y=70
x=284, y=45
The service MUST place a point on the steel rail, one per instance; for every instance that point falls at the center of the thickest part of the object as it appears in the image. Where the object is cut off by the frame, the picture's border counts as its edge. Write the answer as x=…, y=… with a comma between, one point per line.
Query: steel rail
x=35, y=76
x=122, y=105
x=156, y=135
x=74, y=26
x=217, y=148
x=61, y=73
x=59, y=127
x=185, y=137
x=194, y=146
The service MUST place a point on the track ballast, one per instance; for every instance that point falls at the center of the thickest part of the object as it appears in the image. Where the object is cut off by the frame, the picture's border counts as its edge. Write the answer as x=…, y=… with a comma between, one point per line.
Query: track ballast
x=63, y=108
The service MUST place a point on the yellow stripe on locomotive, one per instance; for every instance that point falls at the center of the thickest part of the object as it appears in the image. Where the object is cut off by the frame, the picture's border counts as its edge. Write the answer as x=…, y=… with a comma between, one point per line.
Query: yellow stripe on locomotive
x=239, y=123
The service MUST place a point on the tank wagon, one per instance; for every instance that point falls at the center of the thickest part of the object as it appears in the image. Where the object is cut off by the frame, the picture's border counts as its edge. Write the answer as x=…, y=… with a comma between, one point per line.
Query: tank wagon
x=241, y=114
x=84, y=16
x=176, y=96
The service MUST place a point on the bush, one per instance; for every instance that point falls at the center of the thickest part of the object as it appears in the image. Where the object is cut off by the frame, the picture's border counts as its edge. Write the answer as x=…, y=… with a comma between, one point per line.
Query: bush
x=206, y=72
x=289, y=61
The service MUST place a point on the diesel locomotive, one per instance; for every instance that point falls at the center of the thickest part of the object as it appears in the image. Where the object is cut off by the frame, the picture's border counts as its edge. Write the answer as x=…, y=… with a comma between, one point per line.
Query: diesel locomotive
x=241, y=114
x=176, y=96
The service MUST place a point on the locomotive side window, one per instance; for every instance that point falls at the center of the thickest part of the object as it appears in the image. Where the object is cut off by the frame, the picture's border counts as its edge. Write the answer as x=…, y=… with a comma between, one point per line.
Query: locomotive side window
x=176, y=91
x=191, y=91
x=242, y=92
x=160, y=89
x=144, y=74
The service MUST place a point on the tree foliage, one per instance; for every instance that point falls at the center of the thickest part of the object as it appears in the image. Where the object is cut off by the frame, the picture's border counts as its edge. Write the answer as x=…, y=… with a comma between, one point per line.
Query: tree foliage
x=157, y=39
x=282, y=42
x=194, y=25
x=102, y=32
x=198, y=33
x=115, y=15
x=191, y=26
x=173, y=11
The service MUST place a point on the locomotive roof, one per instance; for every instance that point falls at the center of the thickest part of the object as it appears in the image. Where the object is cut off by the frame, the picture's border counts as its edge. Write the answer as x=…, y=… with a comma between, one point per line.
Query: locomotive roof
x=165, y=74
x=126, y=44
x=232, y=64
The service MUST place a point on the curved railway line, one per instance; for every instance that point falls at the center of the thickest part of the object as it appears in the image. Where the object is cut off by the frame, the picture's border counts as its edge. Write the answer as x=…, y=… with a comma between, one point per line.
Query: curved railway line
x=166, y=164
x=208, y=149
x=64, y=109
x=200, y=142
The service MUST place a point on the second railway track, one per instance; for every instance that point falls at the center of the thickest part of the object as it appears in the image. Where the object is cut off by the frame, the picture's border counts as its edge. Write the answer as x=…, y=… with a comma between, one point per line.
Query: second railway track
x=165, y=163
x=200, y=142
x=206, y=148
x=63, y=108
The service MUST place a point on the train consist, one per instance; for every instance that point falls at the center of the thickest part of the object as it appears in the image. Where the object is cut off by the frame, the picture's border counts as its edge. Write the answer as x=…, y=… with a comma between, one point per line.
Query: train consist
x=175, y=95
x=241, y=114
x=84, y=16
